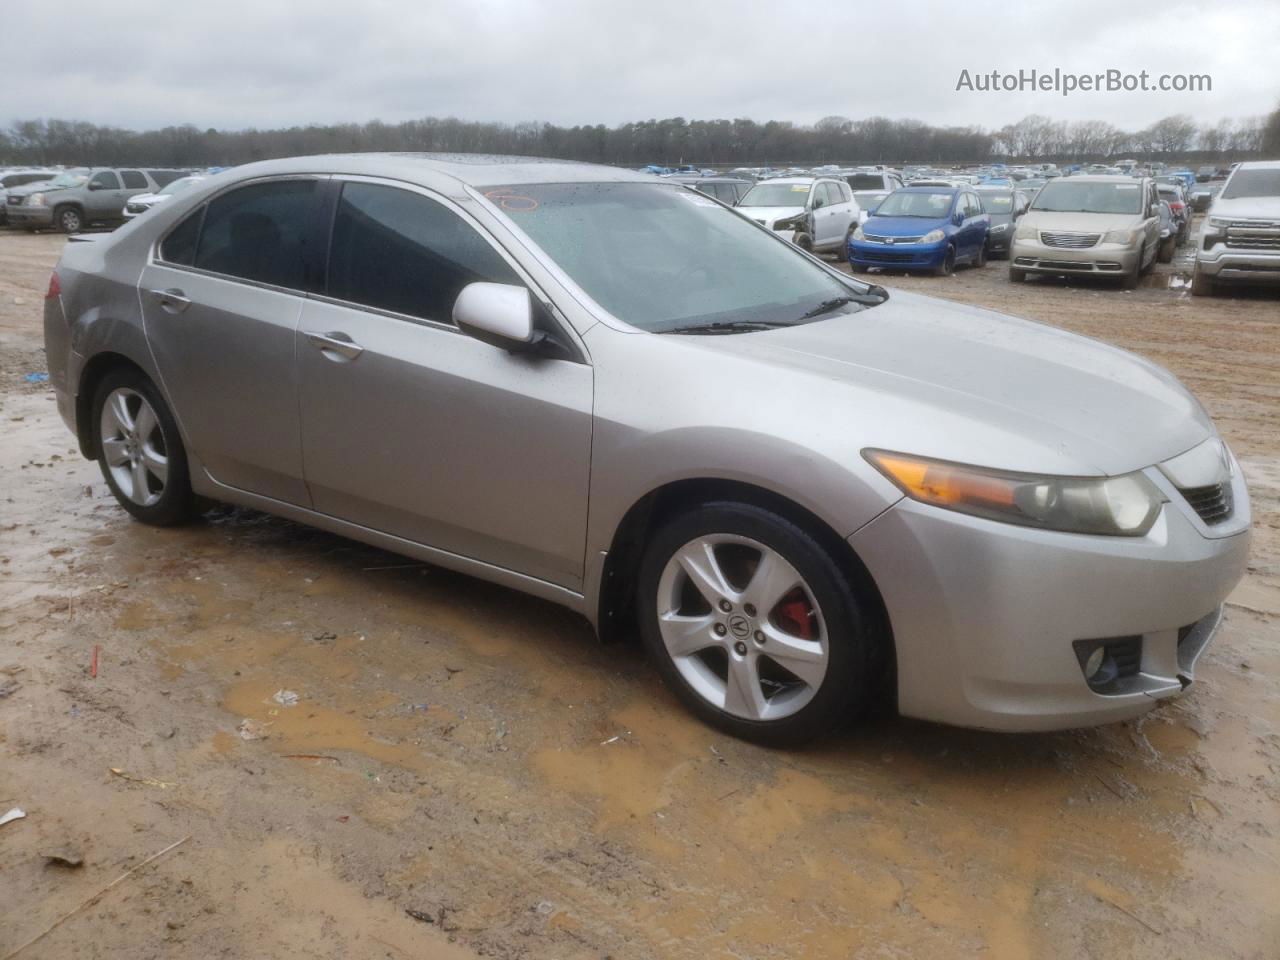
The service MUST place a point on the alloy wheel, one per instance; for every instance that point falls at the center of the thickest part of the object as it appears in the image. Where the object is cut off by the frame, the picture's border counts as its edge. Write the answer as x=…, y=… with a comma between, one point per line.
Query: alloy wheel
x=133, y=446
x=742, y=627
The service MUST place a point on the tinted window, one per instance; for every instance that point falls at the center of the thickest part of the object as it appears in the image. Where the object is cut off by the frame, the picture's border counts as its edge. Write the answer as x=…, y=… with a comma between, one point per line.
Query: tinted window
x=865, y=181
x=165, y=177
x=263, y=232
x=106, y=180
x=133, y=180
x=400, y=251
x=180, y=245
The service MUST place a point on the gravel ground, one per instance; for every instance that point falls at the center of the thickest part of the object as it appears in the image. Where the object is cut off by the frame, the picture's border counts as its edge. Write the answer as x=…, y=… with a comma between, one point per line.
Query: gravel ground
x=474, y=756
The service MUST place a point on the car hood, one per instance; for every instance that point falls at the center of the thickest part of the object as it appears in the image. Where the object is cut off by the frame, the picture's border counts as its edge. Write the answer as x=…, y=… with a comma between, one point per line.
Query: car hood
x=769, y=215
x=966, y=384
x=902, y=226
x=29, y=188
x=1079, y=222
x=1246, y=207
x=146, y=198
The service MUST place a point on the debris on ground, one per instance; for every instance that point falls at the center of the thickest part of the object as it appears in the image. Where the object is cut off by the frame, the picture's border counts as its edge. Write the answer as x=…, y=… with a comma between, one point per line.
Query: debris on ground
x=36, y=378
x=93, y=662
x=252, y=729
x=286, y=698
x=63, y=857
x=420, y=915
x=8, y=688
x=149, y=781
x=14, y=814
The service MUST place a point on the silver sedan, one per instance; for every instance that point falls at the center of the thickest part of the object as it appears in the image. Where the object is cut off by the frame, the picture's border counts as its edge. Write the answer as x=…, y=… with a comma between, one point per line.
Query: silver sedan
x=806, y=494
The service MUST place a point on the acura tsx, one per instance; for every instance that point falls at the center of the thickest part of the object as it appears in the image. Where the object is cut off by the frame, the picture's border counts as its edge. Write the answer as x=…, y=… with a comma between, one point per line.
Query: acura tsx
x=805, y=493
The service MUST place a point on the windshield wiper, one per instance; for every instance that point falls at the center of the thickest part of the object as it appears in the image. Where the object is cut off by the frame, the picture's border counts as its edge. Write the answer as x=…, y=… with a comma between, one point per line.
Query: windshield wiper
x=874, y=296
x=729, y=326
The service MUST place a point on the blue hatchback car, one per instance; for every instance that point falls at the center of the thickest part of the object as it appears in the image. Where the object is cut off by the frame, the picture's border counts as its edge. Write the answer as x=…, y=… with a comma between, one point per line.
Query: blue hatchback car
x=923, y=228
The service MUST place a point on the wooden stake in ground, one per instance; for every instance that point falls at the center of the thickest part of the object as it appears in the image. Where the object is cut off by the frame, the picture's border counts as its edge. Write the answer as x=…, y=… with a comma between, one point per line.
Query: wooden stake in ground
x=95, y=898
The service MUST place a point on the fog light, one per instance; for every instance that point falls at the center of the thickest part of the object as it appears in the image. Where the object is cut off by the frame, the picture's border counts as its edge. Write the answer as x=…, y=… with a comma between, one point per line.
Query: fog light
x=1095, y=661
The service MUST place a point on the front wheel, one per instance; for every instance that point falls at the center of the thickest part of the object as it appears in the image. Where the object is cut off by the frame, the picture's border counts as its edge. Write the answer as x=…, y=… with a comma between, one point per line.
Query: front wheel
x=1016, y=275
x=1201, y=285
x=948, y=264
x=754, y=626
x=848, y=239
x=68, y=220
x=140, y=451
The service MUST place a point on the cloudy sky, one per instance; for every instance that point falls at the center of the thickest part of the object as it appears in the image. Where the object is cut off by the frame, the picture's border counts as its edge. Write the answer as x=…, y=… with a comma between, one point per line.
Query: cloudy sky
x=240, y=63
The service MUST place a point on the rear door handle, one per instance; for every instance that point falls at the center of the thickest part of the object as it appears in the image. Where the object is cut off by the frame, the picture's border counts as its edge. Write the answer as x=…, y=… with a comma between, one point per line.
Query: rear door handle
x=172, y=300
x=334, y=343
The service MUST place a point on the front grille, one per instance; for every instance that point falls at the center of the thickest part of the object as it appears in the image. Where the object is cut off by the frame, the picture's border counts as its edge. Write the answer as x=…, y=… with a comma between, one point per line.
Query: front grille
x=890, y=240
x=15, y=201
x=881, y=256
x=1211, y=503
x=1074, y=241
x=1254, y=243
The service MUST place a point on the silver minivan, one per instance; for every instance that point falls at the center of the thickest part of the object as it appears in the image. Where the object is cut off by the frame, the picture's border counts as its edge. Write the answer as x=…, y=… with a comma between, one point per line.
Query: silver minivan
x=806, y=494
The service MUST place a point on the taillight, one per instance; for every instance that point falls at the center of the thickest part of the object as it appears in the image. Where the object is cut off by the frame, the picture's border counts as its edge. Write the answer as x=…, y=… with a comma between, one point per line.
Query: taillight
x=55, y=287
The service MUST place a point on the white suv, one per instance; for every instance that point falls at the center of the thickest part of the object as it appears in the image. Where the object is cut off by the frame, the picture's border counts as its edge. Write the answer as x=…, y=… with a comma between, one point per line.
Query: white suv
x=1240, y=239
x=815, y=213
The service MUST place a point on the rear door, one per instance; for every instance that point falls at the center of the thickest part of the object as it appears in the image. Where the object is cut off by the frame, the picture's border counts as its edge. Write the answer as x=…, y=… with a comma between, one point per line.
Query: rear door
x=221, y=301
x=413, y=428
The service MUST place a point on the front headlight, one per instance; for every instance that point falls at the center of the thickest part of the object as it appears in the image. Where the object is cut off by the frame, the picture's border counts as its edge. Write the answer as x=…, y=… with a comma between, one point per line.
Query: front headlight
x=1124, y=506
x=35, y=200
x=858, y=234
x=933, y=236
x=1025, y=232
x=1119, y=236
x=1214, y=224
x=999, y=228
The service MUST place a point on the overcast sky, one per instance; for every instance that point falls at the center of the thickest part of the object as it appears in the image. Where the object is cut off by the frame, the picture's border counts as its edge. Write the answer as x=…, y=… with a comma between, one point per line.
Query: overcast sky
x=240, y=63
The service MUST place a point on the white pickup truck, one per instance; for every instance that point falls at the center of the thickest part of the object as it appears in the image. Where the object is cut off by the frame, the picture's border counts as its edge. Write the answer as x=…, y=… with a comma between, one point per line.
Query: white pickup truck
x=1240, y=239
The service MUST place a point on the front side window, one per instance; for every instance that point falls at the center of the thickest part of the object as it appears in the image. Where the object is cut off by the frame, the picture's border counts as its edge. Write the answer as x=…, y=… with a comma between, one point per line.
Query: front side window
x=105, y=180
x=265, y=232
x=133, y=180
x=400, y=251
x=662, y=258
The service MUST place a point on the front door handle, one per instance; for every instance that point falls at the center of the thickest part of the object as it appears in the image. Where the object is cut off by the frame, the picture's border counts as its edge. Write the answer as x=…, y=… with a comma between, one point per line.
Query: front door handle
x=172, y=300
x=335, y=346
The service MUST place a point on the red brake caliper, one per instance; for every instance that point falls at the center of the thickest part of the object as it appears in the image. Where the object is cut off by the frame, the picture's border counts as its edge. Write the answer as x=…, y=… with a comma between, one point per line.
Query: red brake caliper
x=794, y=615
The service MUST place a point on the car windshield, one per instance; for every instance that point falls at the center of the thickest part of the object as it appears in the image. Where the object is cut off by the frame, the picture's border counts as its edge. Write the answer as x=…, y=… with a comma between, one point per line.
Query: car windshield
x=68, y=180
x=1081, y=196
x=869, y=199
x=178, y=186
x=864, y=181
x=915, y=203
x=662, y=258
x=996, y=201
x=776, y=195
x=1252, y=183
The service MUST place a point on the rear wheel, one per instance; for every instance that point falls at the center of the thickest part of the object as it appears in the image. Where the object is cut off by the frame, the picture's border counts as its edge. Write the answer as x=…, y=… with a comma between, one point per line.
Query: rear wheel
x=68, y=219
x=754, y=626
x=980, y=258
x=140, y=451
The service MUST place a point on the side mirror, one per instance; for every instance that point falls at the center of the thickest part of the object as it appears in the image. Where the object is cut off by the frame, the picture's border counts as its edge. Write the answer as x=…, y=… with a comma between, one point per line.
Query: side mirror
x=958, y=217
x=94, y=185
x=504, y=315
x=817, y=202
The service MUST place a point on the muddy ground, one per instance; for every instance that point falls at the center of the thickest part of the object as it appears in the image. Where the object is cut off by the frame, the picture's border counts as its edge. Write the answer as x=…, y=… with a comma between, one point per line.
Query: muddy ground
x=474, y=756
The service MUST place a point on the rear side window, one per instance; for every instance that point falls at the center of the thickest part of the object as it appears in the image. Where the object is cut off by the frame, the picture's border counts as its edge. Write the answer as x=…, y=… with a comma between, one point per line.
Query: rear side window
x=180, y=245
x=133, y=180
x=400, y=251
x=264, y=232
x=105, y=180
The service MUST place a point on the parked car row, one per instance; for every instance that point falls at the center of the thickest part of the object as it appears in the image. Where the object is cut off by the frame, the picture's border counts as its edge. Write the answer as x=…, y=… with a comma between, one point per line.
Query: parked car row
x=71, y=200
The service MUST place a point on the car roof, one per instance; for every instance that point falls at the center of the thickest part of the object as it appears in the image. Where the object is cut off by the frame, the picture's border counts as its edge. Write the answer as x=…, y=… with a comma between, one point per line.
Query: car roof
x=435, y=169
x=1105, y=178
x=1259, y=165
x=926, y=189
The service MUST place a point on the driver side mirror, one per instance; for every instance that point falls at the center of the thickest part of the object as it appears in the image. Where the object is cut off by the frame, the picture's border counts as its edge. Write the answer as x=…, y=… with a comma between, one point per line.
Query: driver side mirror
x=958, y=217
x=504, y=315
x=818, y=202
x=95, y=185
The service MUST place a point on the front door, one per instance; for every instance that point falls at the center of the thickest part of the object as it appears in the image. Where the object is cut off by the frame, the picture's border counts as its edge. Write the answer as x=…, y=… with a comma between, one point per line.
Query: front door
x=221, y=305
x=413, y=428
x=104, y=200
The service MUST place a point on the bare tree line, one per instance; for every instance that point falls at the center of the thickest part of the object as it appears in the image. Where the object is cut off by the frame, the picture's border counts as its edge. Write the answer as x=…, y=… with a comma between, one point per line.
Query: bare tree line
x=672, y=140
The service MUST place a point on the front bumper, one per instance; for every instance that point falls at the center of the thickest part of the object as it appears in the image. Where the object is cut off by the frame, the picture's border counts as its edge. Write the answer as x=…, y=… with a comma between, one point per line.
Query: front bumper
x=1224, y=263
x=1102, y=259
x=902, y=256
x=25, y=216
x=985, y=614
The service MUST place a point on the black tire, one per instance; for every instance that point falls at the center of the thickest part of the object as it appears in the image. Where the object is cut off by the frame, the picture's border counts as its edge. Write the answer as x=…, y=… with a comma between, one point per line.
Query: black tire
x=1201, y=285
x=804, y=242
x=843, y=255
x=68, y=219
x=948, y=265
x=1017, y=275
x=176, y=503
x=1131, y=279
x=856, y=649
x=980, y=258
x=858, y=267
x=1165, y=254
